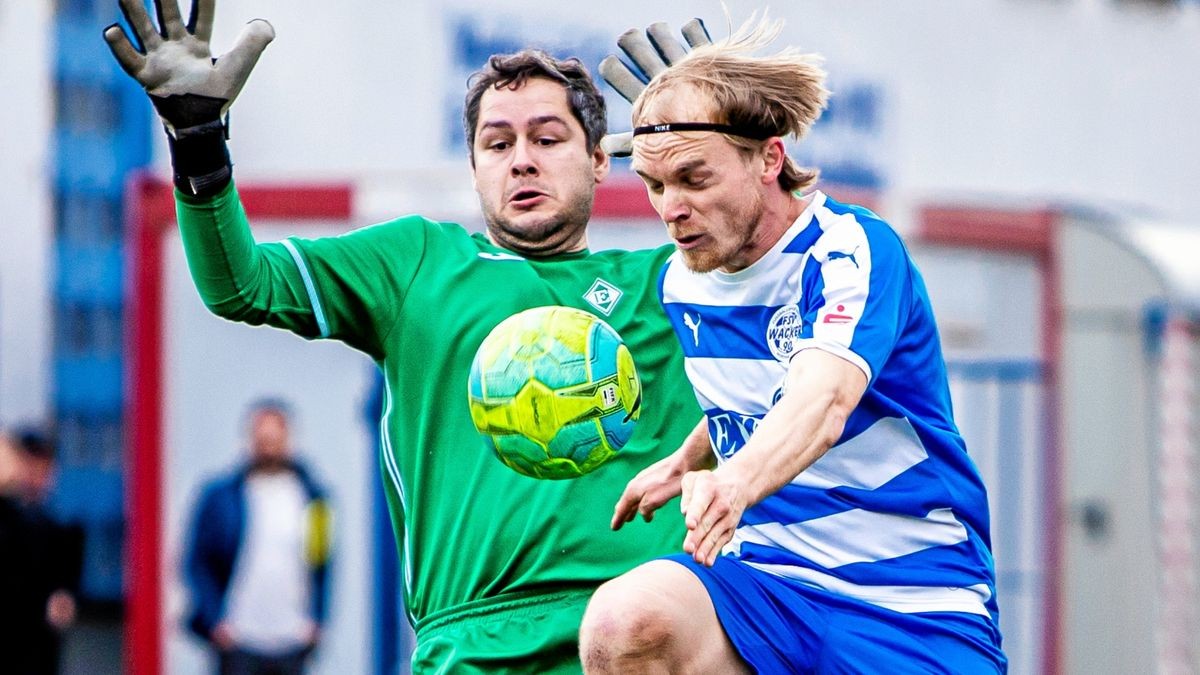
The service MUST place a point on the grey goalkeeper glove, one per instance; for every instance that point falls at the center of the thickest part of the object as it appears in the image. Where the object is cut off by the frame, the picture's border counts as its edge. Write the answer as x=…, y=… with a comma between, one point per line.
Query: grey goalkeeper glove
x=652, y=51
x=190, y=89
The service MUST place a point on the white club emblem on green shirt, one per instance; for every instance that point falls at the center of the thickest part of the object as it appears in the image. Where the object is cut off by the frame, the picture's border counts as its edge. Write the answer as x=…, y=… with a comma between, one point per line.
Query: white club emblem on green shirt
x=603, y=296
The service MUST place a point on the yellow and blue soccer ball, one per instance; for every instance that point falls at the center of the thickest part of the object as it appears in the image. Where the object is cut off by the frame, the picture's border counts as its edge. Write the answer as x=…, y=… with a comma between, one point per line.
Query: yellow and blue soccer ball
x=554, y=392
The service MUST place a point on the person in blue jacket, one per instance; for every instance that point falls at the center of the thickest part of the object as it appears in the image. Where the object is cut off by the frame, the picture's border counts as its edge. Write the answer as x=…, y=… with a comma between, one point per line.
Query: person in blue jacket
x=257, y=560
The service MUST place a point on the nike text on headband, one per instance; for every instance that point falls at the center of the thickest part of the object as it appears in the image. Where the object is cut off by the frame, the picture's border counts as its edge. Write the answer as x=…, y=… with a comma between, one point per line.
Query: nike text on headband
x=744, y=132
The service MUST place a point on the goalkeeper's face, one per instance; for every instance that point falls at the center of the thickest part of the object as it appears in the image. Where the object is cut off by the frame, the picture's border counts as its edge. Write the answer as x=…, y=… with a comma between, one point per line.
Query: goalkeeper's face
x=533, y=171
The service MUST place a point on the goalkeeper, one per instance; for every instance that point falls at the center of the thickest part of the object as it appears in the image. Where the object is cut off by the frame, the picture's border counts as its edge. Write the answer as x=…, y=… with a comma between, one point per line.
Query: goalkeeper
x=497, y=567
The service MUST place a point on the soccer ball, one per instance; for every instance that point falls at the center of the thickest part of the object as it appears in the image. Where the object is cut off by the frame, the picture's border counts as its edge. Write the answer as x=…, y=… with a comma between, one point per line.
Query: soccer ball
x=554, y=392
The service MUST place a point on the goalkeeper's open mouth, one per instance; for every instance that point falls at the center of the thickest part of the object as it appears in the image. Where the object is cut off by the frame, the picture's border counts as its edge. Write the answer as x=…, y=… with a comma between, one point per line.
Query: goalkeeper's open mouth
x=527, y=198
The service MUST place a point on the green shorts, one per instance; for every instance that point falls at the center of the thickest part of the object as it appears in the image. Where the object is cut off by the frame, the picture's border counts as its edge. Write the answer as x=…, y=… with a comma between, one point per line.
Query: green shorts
x=529, y=633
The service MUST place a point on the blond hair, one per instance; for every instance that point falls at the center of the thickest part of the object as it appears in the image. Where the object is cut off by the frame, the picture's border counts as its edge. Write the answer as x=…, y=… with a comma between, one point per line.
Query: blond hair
x=778, y=95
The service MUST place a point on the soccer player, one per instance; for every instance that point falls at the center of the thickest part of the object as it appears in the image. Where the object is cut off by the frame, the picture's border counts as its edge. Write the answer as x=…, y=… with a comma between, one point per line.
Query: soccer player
x=844, y=528
x=497, y=567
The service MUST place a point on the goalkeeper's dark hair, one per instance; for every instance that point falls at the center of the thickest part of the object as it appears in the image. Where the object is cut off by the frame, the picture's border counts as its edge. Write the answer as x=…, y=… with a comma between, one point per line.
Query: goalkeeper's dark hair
x=514, y=70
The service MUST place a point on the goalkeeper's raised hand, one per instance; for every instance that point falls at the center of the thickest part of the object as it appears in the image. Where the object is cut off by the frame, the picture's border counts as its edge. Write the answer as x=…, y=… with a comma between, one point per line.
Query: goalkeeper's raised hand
x=190, y=89
x=652, y=51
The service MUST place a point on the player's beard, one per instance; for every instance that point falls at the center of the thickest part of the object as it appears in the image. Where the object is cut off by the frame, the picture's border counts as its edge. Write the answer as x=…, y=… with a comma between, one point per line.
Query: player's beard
x=555, y=233
x=729, y=252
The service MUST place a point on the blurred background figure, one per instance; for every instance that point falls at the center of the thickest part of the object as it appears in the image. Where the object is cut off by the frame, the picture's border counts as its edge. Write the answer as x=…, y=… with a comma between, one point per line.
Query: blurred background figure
x=55, y=548
x=40, y=558
x=258, y=555
x=17, y=611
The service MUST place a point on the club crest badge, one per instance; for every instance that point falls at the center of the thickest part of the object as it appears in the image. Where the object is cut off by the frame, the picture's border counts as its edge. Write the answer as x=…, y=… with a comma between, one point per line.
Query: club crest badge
x=603, y=296
x=784, y=332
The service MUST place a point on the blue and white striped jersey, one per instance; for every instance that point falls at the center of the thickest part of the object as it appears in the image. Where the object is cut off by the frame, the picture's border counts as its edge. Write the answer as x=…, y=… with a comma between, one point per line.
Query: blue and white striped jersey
x=895, y=513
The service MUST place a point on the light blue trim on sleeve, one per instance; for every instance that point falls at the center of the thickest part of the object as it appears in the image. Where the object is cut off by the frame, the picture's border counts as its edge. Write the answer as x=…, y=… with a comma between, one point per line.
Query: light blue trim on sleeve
x=319, y=313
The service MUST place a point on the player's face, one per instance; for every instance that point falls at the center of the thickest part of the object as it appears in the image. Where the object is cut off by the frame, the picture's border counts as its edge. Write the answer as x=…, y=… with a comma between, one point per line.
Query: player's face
x=706, y=190
x=534, y=174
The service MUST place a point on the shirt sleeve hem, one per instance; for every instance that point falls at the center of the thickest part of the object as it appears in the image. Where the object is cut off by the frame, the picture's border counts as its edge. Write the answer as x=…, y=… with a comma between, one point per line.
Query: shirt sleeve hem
x=838, y=350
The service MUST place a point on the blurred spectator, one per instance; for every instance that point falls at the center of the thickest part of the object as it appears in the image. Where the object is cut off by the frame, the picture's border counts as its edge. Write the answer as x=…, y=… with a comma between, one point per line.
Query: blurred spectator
x=257, y=559
x=42, y=557
x=17, y=609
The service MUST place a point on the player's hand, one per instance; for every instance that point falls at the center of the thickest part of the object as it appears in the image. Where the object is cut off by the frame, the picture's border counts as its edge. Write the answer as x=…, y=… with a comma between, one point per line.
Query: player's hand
x=188, y=87
x=652, y=51
x=712, y=505
x=654, y=486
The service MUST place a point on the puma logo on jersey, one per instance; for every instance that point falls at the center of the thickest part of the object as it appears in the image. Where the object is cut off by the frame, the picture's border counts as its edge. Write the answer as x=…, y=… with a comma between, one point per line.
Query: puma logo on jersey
x=693, y=325
x=839, y=255
x=487, y=255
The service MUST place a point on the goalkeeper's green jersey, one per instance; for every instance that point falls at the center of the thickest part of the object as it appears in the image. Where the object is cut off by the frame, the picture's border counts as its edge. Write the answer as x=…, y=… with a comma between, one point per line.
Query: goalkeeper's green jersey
x=419, y=297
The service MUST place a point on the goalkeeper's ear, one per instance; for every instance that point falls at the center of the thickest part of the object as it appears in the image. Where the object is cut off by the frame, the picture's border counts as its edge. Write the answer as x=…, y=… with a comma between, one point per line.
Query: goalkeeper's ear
x=652, y=51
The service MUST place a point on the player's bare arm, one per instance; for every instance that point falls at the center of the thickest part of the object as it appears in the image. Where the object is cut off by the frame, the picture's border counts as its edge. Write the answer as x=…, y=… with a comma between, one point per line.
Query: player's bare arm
x=822, y=390
x=660, y=482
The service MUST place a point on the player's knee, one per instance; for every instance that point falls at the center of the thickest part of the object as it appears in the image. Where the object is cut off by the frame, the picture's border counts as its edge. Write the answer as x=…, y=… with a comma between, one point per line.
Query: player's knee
x=621, y=628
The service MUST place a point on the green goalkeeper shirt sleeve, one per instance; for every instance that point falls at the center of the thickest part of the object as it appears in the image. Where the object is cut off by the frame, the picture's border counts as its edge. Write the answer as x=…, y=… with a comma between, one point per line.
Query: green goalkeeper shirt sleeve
x=347, y=287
